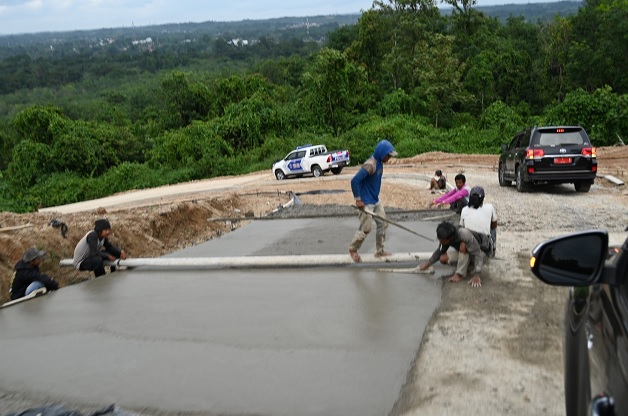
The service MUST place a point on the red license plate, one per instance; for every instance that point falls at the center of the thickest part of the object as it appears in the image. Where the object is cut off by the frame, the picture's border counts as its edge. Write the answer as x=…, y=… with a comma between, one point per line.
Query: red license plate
x=562, y=160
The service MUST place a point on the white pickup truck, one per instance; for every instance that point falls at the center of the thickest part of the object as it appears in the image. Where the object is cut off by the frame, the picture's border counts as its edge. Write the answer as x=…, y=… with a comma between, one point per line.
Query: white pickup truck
x=314, y=159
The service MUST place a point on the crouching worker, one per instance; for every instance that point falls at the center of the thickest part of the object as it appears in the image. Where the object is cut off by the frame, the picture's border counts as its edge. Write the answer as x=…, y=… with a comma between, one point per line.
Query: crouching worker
x=438, y=182
x=94, y=249
x=28, y=278
x=466, y=252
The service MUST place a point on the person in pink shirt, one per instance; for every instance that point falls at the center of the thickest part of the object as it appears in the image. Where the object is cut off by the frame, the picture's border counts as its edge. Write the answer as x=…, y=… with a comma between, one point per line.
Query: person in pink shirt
x=457, y=198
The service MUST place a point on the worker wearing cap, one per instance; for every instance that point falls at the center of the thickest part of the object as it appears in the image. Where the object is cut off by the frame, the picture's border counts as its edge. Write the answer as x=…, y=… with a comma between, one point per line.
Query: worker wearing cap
x=365, y=186
x=94, y=248
x=27, y=276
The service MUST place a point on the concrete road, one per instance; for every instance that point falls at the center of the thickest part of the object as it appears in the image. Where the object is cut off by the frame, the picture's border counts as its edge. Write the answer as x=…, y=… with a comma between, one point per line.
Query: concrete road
x=314, y=341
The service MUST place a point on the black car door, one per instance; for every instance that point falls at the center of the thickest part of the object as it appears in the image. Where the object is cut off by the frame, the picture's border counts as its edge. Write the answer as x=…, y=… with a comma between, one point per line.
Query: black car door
x=512, y=152
x=608, y=347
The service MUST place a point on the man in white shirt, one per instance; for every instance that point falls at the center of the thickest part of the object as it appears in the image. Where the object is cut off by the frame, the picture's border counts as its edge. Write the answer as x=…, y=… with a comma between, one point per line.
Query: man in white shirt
x=478, y=216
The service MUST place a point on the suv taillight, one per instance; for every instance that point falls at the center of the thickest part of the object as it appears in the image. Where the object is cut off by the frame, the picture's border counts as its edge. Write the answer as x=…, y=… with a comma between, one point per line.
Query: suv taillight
x=589, y=151
x=532, y=153
x=329, y=159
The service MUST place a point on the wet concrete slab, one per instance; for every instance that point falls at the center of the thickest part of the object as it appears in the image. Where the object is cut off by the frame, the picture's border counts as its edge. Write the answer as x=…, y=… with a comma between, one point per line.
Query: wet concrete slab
x=315, y=341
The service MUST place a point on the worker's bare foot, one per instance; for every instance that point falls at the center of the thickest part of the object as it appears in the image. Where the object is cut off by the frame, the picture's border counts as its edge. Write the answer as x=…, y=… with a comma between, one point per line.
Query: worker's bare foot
x=355, y=256
x=382, y=254
x=455, y=278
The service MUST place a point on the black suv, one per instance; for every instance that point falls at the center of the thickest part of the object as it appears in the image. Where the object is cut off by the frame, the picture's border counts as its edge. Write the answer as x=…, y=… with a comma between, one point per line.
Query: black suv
x=595, y=346
x=557, y=154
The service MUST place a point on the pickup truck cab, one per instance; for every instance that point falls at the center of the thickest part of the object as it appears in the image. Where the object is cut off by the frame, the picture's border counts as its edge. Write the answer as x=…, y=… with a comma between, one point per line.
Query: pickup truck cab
x=314, y=159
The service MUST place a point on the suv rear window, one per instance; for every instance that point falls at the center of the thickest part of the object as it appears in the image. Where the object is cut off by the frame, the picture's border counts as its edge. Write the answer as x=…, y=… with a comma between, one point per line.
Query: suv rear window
x=560, y=137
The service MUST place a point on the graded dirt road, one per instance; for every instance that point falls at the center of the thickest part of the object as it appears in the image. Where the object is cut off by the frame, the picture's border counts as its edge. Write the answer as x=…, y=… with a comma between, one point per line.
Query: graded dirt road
x=496, y=349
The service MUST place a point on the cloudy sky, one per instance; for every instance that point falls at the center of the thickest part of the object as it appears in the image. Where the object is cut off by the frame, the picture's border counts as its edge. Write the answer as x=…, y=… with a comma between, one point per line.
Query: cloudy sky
x=29, y=16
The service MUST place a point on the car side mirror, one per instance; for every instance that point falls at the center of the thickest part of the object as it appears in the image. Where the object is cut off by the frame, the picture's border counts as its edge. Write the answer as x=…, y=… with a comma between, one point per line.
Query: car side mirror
x=571, y=260
x=504, y=147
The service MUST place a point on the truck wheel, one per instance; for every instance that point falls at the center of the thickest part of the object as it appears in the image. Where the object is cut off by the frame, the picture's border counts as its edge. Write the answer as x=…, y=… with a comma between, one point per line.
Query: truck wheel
x=336, y=171
x=280, y=175
x=317, y=171
x=519, y=182
x=582, y=186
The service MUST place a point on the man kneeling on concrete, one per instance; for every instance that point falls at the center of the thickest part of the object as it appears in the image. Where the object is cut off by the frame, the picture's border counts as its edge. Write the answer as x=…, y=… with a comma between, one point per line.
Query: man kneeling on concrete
x=28, y=278
x=94, y=249
x=466, y=252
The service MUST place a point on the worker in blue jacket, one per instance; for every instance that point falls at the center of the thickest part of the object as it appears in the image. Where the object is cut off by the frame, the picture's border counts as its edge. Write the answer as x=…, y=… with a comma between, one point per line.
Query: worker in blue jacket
x=365, y=186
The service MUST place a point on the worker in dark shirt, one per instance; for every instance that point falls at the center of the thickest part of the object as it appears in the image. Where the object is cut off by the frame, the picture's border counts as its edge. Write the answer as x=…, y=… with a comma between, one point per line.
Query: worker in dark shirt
x=28, y=278
x=469, y=255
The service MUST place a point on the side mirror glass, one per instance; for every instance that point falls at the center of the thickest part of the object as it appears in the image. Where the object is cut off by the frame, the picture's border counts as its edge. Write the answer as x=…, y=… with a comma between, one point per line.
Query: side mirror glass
x=504, y=147
x=571, y=260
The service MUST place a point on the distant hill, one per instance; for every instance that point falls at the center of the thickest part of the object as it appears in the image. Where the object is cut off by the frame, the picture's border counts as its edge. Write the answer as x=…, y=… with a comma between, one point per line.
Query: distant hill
x=309, y=28
x=532, y=12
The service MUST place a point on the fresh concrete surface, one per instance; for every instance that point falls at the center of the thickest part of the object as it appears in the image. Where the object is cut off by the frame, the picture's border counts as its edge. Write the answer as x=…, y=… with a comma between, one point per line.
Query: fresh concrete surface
x=311, y=341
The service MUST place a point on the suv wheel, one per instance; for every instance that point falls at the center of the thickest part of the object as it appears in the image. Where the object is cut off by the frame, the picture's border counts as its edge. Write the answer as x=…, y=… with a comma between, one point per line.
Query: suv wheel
x=582, y=186
x=280, y=175
x=317, y=171
x=520, y=183
x=502, y=176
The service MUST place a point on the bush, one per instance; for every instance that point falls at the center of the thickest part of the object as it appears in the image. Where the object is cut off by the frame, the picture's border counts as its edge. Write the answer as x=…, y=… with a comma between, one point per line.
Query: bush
x=406, y=133
x=603, y=114
x=124, y=177
x=58, y=189
x=30, y=161
x=79, y=154
x=499, y=116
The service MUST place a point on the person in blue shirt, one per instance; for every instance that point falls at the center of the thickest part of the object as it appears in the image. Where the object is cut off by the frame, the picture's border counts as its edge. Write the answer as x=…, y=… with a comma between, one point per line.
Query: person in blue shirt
x=365, y=186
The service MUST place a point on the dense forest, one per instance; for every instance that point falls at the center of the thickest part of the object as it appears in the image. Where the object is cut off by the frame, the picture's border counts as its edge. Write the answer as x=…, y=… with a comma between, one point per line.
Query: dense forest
x=90, y=113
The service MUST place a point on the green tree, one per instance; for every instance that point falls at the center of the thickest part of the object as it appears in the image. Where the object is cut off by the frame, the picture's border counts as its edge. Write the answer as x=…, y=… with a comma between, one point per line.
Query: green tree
x=603, y=114
x=7, y=142
x=30, y=162
x=246, y=123
x=197, y=148
x=333, y=89
x=283, y=71
x=479, y=80
x=502, y=118
x=39, y=123
x=372, y=45
x=439, y=74
x=78, y=149
x=598, y=55
x=520, y=72
x=233, y=89
x=187, y=101
x=413, y=23
x=343, y=37
x=555, y=37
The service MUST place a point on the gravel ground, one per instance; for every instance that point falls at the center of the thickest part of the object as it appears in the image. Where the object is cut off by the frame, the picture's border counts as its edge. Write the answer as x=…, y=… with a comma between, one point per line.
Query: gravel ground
x=498, y=350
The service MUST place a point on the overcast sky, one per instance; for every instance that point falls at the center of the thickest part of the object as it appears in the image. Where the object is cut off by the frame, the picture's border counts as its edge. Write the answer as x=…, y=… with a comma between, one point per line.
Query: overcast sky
x=30, y=16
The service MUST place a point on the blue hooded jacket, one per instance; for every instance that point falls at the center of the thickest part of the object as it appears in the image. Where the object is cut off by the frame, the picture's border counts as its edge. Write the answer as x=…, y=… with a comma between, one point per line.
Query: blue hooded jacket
x=366, y=184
